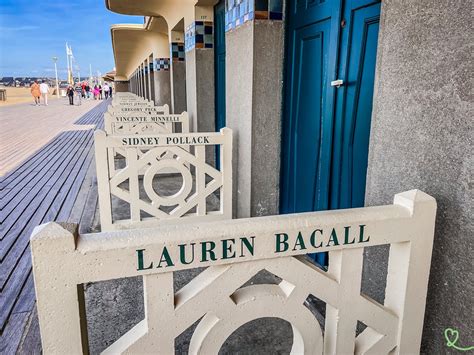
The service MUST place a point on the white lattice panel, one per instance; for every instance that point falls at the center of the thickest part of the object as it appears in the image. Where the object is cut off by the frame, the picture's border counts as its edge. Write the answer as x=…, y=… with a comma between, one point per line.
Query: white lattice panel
x=216, y=298
x=148, y=156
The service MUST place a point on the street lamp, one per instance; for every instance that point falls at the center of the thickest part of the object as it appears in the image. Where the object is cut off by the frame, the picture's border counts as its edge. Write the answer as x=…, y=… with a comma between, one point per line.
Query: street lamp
x=55, y=59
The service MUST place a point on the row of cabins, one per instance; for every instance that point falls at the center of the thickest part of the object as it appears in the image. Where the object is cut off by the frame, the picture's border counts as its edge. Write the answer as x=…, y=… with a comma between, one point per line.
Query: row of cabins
x=329, y=105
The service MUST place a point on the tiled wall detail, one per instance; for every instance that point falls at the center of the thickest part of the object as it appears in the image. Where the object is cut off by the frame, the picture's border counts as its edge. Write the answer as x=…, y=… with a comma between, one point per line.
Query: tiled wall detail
x=200, y=34
x=238, y=12
x=162, y=64
x=177, y=51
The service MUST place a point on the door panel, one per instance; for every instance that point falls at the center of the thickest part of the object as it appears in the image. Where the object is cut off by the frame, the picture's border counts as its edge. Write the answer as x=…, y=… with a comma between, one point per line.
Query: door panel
x=219, y=69
x=326, y=130
x=219, y=63
x=354, y=105
x=311, y=46
x=307, y=127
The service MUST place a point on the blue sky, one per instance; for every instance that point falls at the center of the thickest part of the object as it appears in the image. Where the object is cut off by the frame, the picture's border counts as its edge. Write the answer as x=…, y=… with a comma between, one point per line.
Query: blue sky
x=32, y=32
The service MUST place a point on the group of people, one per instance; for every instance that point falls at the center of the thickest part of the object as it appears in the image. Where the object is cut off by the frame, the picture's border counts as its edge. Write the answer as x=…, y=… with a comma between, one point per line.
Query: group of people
x=84, y=91
x=80, y=90
x=40, y=91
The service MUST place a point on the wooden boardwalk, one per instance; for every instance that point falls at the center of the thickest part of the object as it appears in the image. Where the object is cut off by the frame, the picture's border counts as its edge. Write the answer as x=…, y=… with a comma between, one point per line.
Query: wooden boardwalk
x=27, y=128
x=53, y=184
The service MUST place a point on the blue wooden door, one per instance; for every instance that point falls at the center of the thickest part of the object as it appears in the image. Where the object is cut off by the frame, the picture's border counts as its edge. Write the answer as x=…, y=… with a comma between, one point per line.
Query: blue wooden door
x=219, y=68
x=219, y=63
x=358, y=47
x=326, y=128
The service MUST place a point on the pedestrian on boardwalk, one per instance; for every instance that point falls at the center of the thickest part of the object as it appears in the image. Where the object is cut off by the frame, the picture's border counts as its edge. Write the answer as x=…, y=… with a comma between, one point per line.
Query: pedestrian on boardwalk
x=79, y=93
x=100, y=92
x=88, y=91
x=110, y=91
x=106, y=90
x=96, y=92
x=35, y=91
x=83, y=85
x=70, y=94
x=44, y=89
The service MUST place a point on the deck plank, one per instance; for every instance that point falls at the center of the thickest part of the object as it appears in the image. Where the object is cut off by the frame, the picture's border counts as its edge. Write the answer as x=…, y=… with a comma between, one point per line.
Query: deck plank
x=45, y=187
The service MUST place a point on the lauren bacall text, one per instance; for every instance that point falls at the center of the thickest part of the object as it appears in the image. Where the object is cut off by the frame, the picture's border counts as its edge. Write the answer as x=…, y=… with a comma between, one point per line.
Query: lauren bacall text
x=245, y=247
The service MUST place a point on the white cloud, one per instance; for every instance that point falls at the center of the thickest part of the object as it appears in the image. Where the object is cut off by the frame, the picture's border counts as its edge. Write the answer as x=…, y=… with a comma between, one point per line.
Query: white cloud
x=18, y=28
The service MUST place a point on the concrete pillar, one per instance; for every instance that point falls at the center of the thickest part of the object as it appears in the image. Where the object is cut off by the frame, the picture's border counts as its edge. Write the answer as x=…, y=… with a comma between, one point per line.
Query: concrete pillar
x=146, y=79
x=421, y=137
x=135, y=82
x=162, y=81
x=178, y=72
x=199, y=54
x=151, y=71
x=254, y=75
x=139, y=81
x=142, y=86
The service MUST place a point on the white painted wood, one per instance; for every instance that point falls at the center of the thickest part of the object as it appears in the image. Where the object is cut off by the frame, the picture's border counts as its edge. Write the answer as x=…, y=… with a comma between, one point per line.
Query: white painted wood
x=155, y=155
x=61, y=261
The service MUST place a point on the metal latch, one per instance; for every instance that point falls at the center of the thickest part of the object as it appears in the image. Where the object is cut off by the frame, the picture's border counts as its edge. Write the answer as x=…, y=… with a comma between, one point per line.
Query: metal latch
x=337, y=83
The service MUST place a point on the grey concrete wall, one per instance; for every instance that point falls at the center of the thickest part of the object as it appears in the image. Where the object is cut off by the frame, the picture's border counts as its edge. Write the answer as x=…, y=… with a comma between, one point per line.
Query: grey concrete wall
x=254, y=62
x=122, y=86
x=162, y=87
x=239, y=88
x=422, y=137
x=178, y=83
x=191, y=99
x=200, y=89
x=267, y=116
x=152, y=85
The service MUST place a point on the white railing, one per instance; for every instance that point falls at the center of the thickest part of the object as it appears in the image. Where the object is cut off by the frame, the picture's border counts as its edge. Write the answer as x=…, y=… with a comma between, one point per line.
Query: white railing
x=234, y=251
x=150, y=156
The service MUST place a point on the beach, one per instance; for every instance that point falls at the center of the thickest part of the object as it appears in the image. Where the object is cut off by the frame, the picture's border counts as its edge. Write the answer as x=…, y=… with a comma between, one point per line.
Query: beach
x=20, y=95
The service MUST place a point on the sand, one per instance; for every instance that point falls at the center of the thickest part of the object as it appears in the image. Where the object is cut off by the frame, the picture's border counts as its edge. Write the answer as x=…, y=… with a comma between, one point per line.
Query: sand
x=20, y=96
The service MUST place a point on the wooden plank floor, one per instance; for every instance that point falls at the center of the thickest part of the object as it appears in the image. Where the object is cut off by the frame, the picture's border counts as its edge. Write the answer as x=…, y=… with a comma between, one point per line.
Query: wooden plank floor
x=51, y=185
x=27, y=128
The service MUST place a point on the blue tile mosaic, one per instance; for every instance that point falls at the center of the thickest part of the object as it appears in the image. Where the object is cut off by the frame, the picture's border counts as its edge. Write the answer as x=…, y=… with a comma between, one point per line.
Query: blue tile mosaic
x=162, y=64
x=240, y=11
x=200, y=34
x=177, y=51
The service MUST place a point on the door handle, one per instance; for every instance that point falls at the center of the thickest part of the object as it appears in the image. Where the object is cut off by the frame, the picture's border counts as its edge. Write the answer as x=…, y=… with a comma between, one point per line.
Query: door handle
x=337, y=83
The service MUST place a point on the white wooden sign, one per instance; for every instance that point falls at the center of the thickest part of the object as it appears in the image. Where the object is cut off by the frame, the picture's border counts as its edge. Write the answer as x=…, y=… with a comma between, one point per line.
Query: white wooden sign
x=234, y=251
x=147, y=156
x=143, y=123
x=117, y=110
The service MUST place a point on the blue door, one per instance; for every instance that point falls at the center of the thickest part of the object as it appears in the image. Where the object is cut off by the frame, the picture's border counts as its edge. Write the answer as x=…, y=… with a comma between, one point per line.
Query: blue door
x=219, y=68
x=326, y=128
x=219, y=63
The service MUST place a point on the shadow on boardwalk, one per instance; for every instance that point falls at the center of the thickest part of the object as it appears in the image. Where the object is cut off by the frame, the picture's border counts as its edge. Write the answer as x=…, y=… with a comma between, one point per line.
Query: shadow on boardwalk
x=44, y=188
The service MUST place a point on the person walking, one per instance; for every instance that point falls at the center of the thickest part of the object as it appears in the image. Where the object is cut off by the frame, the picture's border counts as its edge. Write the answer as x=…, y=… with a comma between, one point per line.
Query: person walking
x=79, y=92
x=100, y=92
x=35, y=91
x=83, y=86
x=70, y=94
x=96, y=92
x=44, y=89
x=106, y=90
x=110, y=91
x=88, y=90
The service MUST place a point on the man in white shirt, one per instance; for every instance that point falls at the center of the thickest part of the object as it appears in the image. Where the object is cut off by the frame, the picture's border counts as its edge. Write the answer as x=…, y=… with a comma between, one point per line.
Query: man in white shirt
x=44, y=90
x=106, y=90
